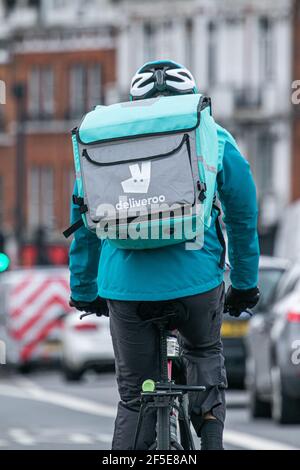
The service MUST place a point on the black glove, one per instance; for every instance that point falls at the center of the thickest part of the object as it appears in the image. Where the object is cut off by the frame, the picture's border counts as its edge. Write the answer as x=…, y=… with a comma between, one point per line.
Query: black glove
x=98, y=306
x=237, y=301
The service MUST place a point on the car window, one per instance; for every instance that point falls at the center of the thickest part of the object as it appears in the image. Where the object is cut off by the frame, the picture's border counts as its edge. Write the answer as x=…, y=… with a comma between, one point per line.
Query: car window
x=268, y=281
x=288, y=283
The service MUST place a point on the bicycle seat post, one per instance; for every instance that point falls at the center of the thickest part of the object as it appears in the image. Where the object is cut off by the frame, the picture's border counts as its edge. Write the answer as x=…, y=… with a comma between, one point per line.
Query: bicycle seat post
x=166, y=396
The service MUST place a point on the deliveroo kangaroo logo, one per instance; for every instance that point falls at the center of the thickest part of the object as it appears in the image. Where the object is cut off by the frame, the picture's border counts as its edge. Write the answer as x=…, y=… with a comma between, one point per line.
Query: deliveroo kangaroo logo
x=140, y=179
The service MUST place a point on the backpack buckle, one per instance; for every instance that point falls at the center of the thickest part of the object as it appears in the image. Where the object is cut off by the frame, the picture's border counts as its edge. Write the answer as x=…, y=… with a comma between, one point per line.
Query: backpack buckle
x=202, y=190
x=83, y=209
x=79, y=201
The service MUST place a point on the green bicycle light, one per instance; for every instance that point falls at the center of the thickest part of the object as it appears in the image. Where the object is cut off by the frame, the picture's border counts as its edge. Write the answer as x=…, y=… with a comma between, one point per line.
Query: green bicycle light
x=148, y=386
x=4, y=262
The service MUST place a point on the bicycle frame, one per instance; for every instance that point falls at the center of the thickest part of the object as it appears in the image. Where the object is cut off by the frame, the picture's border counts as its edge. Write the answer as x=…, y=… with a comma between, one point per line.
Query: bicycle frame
x=167, y=398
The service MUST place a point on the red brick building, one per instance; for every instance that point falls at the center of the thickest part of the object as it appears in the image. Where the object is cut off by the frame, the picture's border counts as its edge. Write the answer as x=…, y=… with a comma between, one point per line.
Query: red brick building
x=64, y=76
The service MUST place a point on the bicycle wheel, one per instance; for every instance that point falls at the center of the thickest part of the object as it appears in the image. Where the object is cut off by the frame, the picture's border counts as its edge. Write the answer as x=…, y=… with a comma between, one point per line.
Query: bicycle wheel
x=163, y=428
x=176, y=446
x=184, y=435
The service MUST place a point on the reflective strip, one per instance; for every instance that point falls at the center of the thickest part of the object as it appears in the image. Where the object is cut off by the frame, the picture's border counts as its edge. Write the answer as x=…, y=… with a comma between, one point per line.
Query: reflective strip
x=35, y=309
x=210, y=168
x=77, y=166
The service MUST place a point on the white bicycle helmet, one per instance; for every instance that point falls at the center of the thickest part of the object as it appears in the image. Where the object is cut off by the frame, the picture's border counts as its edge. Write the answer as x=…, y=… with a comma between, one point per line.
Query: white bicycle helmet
x=161, y=78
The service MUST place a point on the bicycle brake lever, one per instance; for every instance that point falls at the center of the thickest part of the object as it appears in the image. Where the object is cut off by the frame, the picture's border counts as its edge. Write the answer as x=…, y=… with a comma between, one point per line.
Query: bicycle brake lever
x=247, y=310
x=84, y=315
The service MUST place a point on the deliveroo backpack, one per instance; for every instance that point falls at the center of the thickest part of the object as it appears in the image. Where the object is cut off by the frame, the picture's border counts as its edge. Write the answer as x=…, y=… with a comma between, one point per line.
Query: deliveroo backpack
x=146, y=171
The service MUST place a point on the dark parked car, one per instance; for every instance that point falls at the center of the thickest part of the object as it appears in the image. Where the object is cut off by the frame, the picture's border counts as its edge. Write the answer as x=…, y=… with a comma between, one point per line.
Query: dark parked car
x=273, y=345
x=234, y=330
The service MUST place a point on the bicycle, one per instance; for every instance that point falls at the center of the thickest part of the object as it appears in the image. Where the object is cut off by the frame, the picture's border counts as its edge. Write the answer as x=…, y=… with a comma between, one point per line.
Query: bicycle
x=170, y=399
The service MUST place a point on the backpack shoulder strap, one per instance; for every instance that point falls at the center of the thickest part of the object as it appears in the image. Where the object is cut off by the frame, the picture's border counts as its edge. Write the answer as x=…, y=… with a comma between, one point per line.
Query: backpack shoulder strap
x=78, y=201
x=71, y=230
x=220, y=234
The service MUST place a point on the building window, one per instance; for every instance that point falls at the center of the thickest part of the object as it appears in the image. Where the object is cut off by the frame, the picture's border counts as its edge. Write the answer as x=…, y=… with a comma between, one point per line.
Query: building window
x=59, y=3
x=167, y=45
x=149, y=42
x=94, y=86
x=189, y=42
x=77, y=90
x=266, y=48
x=263, y=165
x=85, y=88
x=67, y=191
x=212, y=53
x=41, y=93
x=9, y=5
x=41, y=197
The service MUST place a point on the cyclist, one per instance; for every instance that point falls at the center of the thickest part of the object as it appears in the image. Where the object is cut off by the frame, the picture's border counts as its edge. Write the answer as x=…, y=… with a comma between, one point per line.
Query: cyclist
x=127, y=277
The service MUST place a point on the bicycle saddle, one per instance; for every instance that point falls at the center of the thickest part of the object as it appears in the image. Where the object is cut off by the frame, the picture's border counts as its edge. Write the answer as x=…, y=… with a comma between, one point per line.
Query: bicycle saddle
x=170, y=314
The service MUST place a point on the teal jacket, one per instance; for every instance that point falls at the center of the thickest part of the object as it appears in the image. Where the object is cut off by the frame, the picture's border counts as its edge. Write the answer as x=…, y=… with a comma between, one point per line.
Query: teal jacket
x=98, y=268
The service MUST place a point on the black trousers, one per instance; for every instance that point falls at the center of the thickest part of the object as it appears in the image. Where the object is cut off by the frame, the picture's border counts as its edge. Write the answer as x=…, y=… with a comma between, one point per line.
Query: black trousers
x=136, y=347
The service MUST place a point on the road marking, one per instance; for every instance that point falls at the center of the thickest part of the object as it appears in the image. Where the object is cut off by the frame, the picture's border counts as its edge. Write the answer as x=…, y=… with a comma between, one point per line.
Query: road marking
x=237, y=400
x=60, y=399
x=21, y=436
x=248, y=441
x=76, y=404
x=79, y=438
x=12, y=391
x=27, y=383
x=105, y=438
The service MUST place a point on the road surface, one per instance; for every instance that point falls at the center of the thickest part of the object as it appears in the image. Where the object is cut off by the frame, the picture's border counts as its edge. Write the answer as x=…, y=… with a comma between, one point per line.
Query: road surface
x=42, y=411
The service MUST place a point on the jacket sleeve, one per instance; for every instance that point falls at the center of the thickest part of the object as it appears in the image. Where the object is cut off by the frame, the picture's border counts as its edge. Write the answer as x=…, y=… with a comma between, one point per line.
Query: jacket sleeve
x=84, y=259
x=237, y=194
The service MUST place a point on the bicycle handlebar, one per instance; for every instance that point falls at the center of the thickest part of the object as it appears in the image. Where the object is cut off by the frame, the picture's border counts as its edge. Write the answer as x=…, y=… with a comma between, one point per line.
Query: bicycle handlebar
x=247, y=310
x=181, y=388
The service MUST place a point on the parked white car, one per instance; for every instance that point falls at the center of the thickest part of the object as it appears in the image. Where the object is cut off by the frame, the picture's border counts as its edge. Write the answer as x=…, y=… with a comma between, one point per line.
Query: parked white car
x=86, y=345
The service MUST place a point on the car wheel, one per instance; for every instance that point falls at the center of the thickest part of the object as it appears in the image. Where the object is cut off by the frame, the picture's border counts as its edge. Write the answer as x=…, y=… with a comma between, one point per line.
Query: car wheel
x=285, y=409
x=25, y=368
x=258, y=407
x=72, y=375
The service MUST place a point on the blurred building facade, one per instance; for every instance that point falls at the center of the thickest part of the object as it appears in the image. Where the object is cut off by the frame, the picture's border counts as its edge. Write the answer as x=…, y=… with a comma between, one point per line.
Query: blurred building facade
x=63, y=70
x=71, y=55
x=240, y=52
